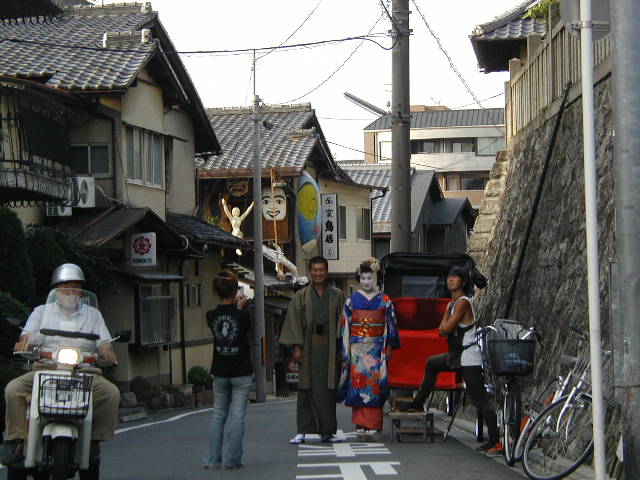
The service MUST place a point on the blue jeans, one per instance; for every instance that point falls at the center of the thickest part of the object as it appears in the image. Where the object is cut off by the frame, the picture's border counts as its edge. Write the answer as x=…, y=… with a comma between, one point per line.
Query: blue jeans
x=230, y=398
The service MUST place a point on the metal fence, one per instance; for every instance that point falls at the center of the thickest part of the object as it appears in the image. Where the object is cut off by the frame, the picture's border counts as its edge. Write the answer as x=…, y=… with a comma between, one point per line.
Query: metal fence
x=541, y=80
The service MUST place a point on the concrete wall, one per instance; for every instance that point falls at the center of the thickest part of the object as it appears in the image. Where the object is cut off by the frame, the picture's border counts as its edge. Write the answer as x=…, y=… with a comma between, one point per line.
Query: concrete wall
x=181, y=197
x=551, y=292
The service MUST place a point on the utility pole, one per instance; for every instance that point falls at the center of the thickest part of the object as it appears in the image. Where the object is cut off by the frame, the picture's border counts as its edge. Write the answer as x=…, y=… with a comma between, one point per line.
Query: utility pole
x=626, y=121
x=258, y=267
x=400, y=122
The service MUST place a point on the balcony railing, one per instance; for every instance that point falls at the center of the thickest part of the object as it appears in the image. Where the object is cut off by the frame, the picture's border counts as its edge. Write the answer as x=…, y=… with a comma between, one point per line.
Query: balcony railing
x=34, y=147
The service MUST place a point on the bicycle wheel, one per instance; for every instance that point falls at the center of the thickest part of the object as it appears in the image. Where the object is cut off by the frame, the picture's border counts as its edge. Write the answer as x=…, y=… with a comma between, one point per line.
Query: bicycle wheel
x=540, y=403
x=560, y=439
x=511, y=422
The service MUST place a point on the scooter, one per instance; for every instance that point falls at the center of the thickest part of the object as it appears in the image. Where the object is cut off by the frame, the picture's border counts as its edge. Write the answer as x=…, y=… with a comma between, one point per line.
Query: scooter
x=60, y=412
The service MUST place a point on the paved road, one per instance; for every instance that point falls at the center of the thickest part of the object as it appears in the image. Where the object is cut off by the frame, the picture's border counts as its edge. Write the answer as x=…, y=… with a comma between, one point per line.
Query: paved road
x=170, y=447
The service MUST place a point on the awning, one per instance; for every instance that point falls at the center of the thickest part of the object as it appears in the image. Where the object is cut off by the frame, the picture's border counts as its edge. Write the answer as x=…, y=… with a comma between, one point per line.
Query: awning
x=152, y=276
x=117, y=221
x=204, y=232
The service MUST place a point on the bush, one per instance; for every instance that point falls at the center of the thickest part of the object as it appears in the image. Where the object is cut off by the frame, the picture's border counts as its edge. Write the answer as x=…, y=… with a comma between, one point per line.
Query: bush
x=10, y=332
x=144, y=391
x=16, y=274
x=50, y=247
x=198, y=375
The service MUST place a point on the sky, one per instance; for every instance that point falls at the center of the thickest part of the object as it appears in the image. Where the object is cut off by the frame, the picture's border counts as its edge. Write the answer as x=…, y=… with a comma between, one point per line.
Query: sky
x=320, y=75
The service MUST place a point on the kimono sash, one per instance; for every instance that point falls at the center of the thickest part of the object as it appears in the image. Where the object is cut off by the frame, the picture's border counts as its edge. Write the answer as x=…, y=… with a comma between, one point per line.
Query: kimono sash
x=367, y=323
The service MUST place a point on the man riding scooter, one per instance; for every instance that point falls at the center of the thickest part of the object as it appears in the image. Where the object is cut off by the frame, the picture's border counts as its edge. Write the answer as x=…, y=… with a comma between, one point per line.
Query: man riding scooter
x=64, y=314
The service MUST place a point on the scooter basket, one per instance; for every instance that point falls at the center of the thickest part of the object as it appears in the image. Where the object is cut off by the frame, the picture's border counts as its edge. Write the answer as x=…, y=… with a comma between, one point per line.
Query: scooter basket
x=64, y=395
x=511, y=357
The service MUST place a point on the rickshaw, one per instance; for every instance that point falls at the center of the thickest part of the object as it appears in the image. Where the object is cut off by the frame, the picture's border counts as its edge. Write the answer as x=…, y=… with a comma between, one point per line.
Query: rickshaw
x=416, y=282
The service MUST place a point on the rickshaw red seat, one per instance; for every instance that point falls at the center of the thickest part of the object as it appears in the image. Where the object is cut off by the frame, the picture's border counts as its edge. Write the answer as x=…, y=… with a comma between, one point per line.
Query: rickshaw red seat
x=406, y=368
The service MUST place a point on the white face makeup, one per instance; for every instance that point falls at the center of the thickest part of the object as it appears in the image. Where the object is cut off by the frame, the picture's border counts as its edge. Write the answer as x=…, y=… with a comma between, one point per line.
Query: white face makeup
x=368, y=281
x=274, y=208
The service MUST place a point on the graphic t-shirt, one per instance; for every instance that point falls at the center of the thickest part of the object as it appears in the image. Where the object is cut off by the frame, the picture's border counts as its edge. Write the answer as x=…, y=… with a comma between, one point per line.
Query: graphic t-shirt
x=231, y=354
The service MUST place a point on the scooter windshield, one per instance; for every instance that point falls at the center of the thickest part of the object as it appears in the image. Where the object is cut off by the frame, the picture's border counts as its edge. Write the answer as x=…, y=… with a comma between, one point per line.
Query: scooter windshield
x=69, y=311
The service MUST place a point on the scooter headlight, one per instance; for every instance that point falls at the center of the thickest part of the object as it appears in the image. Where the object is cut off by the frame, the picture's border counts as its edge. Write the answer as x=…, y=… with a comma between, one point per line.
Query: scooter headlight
x=68, y=356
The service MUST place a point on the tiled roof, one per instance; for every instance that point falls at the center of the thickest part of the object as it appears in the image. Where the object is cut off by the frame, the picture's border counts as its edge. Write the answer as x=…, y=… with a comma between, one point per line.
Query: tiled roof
x=288, y=143
x=69, y=53
x=203, y=231
x=380, y=176
x=519, y=28
x=510, y=24
x=446, y=118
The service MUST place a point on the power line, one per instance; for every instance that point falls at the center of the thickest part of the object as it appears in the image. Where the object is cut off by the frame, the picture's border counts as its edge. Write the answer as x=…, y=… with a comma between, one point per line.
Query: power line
x=451, y=64
x=369, y=36
x=337, y=69
x=294, y=32
x=483, y=100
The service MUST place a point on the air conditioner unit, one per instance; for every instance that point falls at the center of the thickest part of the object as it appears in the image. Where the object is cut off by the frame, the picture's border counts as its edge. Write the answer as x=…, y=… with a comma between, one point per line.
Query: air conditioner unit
x=84, y=192
x=54, y=210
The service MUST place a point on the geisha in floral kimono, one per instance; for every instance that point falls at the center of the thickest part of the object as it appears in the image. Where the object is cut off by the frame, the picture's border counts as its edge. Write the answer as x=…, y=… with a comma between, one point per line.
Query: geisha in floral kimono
x=369, y=333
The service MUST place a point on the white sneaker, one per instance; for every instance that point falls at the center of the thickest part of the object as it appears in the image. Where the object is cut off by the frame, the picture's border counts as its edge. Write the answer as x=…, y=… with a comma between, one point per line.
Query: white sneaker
x=299, y=438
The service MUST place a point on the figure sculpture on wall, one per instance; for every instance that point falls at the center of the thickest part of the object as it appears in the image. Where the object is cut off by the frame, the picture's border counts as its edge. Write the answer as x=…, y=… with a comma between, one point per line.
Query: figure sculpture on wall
x=235, y=219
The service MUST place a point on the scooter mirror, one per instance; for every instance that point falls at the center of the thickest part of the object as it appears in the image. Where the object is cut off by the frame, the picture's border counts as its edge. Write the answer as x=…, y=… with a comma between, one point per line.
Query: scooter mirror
x=123, y=336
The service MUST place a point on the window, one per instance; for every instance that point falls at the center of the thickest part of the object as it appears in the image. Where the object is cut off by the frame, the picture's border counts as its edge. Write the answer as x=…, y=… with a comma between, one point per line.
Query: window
x=145, y=163
x=425, y=146
x=156, y=314
x=91, y=159
x=363, y=224
x=490, y=145
x=385, y=152
x=192, y=295
x=475, y=182
x=451, y=182
x=460, y=145
x=342, y=218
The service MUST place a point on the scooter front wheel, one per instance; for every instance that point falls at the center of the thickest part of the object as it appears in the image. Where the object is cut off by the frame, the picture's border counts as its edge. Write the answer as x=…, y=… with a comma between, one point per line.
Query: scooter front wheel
x=61, y=458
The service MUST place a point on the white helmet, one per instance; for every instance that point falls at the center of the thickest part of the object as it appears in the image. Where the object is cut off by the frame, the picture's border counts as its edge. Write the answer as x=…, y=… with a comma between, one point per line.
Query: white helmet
x=67, y=272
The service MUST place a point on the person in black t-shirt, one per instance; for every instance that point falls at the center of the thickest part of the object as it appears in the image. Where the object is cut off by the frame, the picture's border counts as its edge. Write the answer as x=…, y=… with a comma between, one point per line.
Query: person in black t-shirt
x=232, y=372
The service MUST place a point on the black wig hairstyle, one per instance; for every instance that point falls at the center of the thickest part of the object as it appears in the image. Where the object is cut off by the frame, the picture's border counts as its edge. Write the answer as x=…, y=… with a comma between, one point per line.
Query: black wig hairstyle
x=463, y=273
x=366, y=268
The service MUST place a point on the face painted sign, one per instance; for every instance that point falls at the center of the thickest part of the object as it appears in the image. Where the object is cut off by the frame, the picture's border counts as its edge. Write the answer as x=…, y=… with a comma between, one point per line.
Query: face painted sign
x=274, y=207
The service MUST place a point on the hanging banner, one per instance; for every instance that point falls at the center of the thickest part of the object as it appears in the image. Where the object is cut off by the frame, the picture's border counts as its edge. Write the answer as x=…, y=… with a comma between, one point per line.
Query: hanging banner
x=143, y=249
x=329, y=226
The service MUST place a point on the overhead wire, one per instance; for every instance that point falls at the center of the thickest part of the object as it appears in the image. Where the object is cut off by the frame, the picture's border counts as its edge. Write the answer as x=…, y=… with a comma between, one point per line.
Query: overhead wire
x=294, y=32
x=337, y=69
x=446, y=54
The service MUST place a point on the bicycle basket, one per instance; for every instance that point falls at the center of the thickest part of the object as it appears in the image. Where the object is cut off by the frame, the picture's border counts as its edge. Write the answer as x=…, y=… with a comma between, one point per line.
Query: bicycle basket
x=511, y=357
x=64, y=395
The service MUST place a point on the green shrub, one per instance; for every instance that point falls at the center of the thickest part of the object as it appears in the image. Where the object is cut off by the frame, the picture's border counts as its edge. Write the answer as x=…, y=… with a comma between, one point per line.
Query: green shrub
x=198, y=375
x=9, y=331
x=144, y=390
x=50, y=247
x=16, y=274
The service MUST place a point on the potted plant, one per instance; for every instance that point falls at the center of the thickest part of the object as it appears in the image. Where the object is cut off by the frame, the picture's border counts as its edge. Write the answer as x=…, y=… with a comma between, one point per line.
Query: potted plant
x=200, y=378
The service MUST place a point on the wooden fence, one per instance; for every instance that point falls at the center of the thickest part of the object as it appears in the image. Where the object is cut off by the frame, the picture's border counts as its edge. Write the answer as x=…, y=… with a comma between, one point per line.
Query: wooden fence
x=538, y=82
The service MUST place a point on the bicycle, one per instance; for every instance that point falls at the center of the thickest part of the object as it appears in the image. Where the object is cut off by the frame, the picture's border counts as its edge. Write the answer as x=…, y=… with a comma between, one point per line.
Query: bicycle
x=561, y=437
x=505, y=358
x=552, y=392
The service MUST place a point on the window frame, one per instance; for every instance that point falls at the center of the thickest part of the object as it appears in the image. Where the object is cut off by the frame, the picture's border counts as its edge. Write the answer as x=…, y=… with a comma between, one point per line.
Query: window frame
x=147, y=160
x=361, y=223
x=150, y=322
x=88, y=146
x=342, y=222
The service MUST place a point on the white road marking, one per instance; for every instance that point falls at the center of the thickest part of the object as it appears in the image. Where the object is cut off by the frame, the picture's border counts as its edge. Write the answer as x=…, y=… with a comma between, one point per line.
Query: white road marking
x=351, y=470
x=187, y=414
x=341, y=450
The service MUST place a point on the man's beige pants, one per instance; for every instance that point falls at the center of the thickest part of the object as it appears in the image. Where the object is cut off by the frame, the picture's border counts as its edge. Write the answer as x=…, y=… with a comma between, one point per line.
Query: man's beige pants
x=106, y=399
